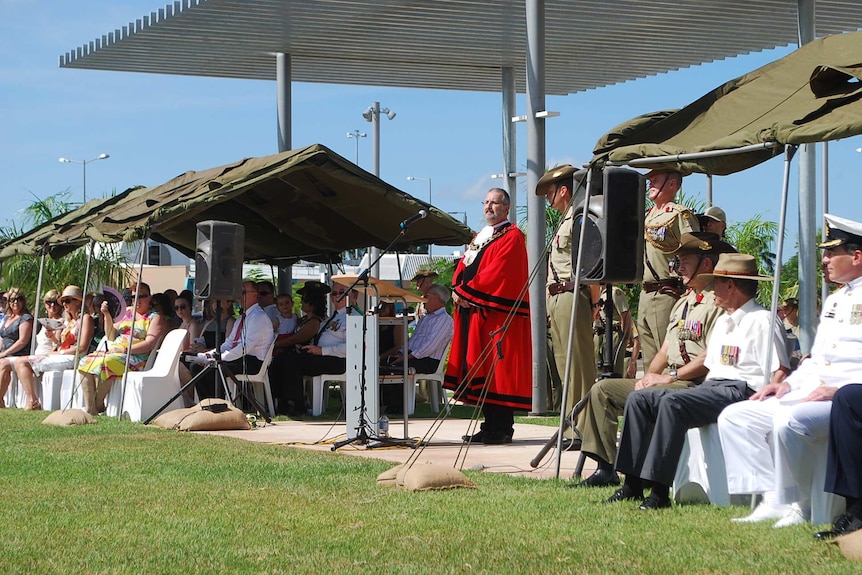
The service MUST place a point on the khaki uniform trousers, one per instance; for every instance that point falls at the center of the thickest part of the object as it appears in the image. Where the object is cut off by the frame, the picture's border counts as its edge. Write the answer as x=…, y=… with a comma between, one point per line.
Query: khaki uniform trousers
x=653, y=317
x=583, y=365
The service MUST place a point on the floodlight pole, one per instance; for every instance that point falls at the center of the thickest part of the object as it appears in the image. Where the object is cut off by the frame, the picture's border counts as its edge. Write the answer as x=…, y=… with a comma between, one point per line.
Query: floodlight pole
x=84, y=164
x=372, y=114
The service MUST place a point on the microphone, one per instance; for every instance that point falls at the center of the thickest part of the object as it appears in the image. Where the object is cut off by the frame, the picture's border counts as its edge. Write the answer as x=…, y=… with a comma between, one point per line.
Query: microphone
x=419, y=215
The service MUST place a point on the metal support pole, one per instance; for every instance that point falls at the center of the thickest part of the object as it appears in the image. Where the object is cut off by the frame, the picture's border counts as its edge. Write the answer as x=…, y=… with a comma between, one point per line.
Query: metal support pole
x=824, y=201
x=283, y=80
x=808, y=260
x=509, y=142
x=374, y=252
x=536, y=204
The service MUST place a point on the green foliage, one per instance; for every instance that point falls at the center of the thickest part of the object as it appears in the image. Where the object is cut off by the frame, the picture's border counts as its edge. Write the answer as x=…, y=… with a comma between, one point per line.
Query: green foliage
x=106, y=267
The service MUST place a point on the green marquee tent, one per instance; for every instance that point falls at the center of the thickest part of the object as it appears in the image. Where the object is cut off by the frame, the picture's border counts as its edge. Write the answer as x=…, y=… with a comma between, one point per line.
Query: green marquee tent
x=308, y=203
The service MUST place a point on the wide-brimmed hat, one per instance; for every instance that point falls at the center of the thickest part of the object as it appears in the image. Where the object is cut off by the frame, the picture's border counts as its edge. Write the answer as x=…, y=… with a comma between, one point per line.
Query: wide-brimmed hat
x=563, y=172
x=715, y=213
x=840, y=231
x=424, y=273
x=703, y=243
x=738, y=266
x=652, y=173
x=314, y=287
x=71, y=292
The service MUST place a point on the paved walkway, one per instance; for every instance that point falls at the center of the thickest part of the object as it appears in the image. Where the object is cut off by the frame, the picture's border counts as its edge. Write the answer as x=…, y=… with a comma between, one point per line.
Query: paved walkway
x=445, y=446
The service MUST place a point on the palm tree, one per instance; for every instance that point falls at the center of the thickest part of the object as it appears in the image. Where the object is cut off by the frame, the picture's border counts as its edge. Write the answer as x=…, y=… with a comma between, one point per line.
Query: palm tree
x=107, y=268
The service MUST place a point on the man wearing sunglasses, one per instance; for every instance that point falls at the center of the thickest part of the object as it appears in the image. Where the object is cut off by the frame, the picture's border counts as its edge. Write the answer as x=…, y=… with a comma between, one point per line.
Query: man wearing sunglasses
x=266, y=300
x=327, y=353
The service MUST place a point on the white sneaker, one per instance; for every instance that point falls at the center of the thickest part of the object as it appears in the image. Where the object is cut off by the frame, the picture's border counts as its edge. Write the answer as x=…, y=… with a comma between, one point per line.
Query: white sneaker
x=764, y=512
x=794, y=516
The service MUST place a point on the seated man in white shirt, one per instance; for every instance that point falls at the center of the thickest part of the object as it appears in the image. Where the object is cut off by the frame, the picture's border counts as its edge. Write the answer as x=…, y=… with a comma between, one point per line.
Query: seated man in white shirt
x=426, y=347
x=245, y=347
x=326, y=354
x=772, y=443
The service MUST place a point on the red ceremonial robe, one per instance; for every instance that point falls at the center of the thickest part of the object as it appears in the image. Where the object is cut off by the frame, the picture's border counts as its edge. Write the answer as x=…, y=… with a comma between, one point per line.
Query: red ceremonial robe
x=495, y=286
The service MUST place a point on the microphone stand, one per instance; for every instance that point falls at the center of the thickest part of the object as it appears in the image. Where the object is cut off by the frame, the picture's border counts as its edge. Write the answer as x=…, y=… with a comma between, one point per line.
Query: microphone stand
x=365, y=435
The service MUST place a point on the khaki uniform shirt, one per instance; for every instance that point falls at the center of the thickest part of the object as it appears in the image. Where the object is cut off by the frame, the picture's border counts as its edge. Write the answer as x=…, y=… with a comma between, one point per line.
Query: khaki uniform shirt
x=690, y=322
x=662, y=232
x=560, y=257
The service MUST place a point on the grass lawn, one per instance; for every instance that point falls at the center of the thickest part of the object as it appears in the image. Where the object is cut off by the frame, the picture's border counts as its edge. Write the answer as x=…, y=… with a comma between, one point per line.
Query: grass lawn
x=118, y=497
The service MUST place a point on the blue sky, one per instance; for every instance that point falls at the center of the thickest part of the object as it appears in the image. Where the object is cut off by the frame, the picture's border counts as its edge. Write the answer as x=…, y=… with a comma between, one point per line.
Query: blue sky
x=156, y=127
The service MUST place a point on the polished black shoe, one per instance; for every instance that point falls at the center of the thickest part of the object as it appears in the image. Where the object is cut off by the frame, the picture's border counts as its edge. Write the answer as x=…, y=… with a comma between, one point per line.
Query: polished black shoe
x=601, y=478
x=488, y=438
x=654, y=502
x=496, y=438
x=625, y=493
x=845, y=523
x=570, y=444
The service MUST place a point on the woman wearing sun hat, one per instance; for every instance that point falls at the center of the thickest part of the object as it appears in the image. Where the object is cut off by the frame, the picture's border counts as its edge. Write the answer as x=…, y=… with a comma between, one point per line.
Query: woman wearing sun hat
x=62, y=356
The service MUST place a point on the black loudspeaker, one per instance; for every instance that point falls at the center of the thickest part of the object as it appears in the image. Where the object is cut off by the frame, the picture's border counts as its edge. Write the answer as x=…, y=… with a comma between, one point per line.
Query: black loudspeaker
x=614, y=235
x=218, y=260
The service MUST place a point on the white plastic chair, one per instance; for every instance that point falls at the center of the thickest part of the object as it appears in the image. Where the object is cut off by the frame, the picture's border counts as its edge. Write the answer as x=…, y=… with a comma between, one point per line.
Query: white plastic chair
x=320, y=391
x=259, y=379
x=436, y=391
x=52, y=381
x=148, y=390
x=11, y=397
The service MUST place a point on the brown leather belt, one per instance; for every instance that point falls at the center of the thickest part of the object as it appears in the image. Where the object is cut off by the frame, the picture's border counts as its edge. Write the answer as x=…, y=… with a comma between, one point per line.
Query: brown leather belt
x=560, y=287
x=673, y=283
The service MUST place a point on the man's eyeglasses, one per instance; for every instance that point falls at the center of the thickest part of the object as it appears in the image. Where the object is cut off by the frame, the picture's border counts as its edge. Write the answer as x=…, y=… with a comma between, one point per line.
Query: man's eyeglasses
x=339, y=292
x=264, y=292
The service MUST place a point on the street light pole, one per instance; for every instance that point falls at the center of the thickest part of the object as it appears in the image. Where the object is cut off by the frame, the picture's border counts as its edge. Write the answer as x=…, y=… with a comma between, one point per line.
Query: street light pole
x=84, y=164
x=465, y=221
x=356, y=134
x=372, y=114
x=428, y=179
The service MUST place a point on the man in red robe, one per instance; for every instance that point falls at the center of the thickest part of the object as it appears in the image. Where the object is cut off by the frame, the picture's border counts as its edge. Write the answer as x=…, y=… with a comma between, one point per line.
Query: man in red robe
x=490, y=363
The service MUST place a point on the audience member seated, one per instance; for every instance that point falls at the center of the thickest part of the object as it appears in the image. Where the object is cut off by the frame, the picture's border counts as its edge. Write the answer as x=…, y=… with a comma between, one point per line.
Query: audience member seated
x=64, y=343
x=844, y=459
x=16, y=330
x=425, y=348
x=326, y=354
x=133, y=336
x=771, y=443
x=224, y=323
x=183, y=309
x=286, y=321
x=266, y=301
x=46, y=334
x=245, y=347
x=162, y=305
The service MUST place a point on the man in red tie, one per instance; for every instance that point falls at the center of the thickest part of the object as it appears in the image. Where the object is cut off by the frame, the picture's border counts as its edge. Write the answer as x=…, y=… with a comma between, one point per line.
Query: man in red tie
x=246, y=346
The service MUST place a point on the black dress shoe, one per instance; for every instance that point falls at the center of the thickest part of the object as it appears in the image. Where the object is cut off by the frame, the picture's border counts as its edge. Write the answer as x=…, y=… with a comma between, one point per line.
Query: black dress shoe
x=488, y=438
x=654, y=502
x=625, y=493
x=570, y=444
x=845, y=523
x=601, y=478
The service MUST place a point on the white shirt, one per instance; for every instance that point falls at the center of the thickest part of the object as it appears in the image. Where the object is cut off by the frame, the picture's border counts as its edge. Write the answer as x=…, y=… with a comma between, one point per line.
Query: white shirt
x=738, y=345
x=255, y=336
x=836, y=356
x=432, y=334
x=333, y=337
